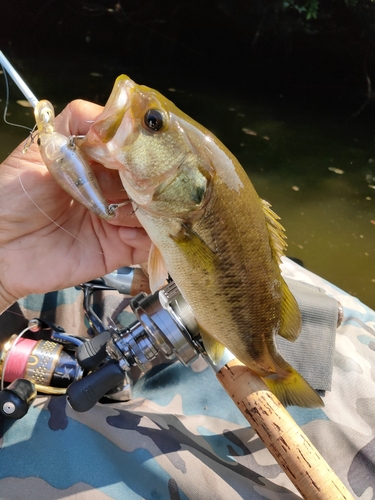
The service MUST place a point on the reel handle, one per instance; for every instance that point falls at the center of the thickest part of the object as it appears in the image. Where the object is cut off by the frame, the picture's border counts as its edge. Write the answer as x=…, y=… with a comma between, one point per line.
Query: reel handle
x=16, y=399
x=83, y=394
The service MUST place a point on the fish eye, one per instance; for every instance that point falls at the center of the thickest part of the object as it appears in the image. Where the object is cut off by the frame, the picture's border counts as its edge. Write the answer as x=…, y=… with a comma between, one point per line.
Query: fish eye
x=154, y=119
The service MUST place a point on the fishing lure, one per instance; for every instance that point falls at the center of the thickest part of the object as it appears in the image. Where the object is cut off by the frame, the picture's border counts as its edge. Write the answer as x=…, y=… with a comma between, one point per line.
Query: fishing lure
x=61, y=155
x=67, y=165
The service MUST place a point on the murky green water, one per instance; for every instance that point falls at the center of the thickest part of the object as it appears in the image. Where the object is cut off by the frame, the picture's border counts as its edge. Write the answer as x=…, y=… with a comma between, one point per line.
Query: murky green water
x=316, y=168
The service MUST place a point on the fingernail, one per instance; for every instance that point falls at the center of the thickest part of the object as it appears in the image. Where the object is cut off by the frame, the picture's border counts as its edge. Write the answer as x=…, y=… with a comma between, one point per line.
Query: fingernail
x=128, y=233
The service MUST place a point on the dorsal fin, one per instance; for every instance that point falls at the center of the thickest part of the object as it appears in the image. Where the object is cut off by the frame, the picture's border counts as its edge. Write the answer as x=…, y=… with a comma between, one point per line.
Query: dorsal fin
x=276, y=230
x=290, y=326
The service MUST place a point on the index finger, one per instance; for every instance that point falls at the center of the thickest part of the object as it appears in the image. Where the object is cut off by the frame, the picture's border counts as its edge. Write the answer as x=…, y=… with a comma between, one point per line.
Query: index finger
x=76, y=117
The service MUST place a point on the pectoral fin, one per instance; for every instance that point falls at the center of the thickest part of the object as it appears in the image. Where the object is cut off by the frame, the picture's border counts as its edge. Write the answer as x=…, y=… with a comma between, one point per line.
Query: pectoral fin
x=196, y=249
x=156, y=269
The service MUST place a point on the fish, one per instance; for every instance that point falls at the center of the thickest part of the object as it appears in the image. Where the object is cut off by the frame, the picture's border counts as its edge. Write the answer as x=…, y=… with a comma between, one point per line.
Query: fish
x=211, y=232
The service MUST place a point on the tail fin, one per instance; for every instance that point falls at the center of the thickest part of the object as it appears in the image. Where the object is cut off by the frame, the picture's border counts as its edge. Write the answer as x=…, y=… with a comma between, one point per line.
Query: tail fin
x=293, y=390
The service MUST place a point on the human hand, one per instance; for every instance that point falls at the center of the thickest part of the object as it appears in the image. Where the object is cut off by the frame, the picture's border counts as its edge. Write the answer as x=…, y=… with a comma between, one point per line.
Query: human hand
x=49, y=241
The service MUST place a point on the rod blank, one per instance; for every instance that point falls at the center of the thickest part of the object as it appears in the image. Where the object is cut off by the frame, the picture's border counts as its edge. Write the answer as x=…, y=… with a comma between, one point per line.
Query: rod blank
x=18, y=80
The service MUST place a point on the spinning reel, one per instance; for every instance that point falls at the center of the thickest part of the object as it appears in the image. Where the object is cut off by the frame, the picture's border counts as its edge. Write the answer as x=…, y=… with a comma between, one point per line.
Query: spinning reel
x=87, y=369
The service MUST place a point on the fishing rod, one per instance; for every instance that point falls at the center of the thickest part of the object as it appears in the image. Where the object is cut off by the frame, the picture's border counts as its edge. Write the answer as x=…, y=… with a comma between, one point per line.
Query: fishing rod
x=21, y=84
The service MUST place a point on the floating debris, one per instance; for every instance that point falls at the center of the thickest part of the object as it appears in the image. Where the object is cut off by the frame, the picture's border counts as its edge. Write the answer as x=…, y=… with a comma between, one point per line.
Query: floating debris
x=24, y=103
x=172, y=89
x=265, y=137
x=249, y=131
x=371, y=160
x=94, y=73
x=368, y=198
x=242, y=115
x=295, y=188
x=336, y=170
x=371, y=186
x=372, y=222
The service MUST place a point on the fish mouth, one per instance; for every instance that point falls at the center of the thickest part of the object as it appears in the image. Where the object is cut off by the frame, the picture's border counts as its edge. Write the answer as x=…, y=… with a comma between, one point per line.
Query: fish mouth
x=113, y=125
x=121, y=123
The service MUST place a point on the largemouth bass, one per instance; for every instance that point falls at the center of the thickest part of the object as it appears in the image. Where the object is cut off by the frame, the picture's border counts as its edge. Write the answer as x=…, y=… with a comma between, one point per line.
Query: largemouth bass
x=210, y=230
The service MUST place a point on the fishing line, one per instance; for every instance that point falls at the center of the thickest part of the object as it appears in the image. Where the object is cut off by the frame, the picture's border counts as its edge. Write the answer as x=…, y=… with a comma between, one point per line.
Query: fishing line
x=32, y=99
x=7, y=102
x=8, y=68
x=8, y=311
x=44, y=213
x=26, y=147
x=18, y=362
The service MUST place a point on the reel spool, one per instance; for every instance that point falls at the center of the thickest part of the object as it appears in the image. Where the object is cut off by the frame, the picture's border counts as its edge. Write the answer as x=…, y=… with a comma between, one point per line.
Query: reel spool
x=45, y=363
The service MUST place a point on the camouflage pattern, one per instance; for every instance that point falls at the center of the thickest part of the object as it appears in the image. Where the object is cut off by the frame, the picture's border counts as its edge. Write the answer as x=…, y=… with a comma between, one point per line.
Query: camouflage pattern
x=181, y=437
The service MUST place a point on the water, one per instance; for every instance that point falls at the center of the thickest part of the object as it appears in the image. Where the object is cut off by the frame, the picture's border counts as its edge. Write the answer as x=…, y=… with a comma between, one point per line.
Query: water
x=315, y=165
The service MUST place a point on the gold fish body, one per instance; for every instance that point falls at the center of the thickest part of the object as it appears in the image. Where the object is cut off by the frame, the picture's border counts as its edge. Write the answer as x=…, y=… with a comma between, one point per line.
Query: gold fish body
x=218, y=240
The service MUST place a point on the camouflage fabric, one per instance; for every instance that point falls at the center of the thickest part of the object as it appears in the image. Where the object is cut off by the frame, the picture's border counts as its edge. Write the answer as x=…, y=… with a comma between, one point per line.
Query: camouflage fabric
x=181, y=437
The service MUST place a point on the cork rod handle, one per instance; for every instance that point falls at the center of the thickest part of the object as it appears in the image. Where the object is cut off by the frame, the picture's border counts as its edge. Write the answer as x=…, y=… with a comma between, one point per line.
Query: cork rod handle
x=290, y=447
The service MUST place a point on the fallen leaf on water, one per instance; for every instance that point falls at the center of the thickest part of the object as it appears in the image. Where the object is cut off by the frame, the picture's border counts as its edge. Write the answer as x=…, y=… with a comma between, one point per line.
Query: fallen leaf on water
x=295, y=188
x=336, y=170
x=24, y=103
x=248, y=131
x=372, y=222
